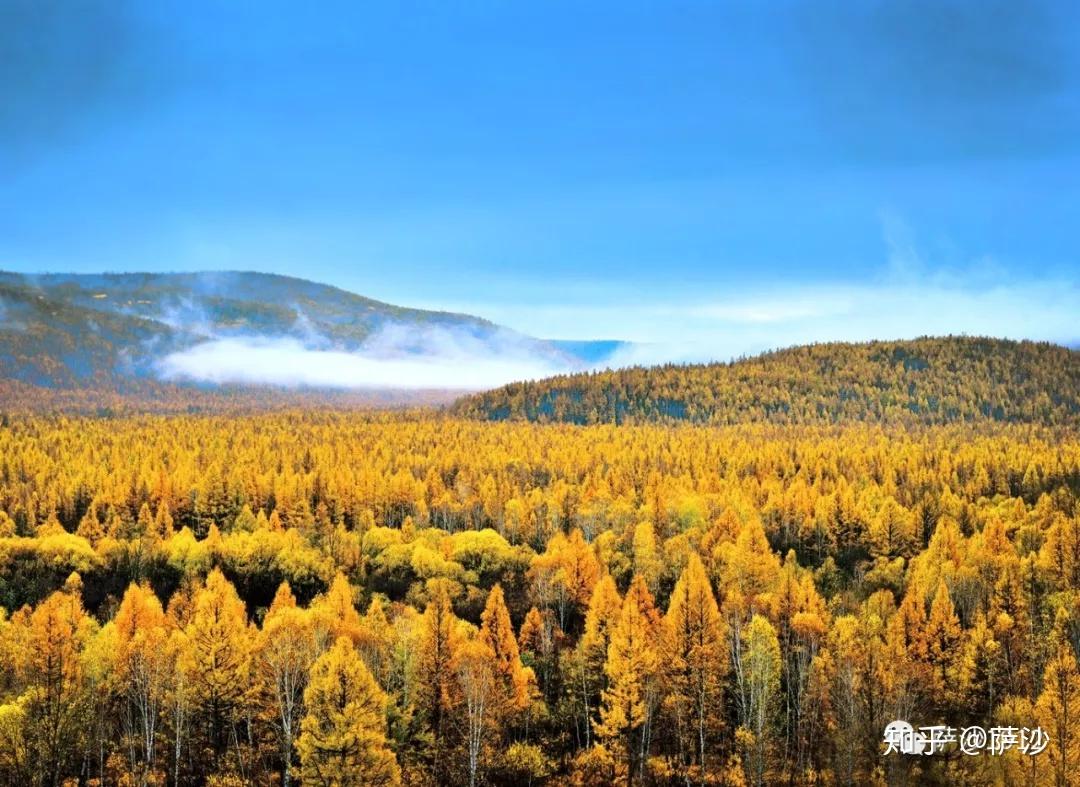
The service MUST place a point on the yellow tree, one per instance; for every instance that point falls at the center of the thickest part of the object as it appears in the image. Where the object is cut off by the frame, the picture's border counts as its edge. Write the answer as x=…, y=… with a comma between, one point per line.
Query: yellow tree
x=284, y=651
x=142, y=669
x=497, y=633
x=748, y=565
x=476, y=671
x=163, y=521
x=335, y=611
x=1010, y=620
x=981, y=669
x=376, y=643
x=563, y=575
x=647, y=562
x=693, y=650
x=219, y=656
x=1061, y=551
x=800, y=618
x=631, y=667
x=892, y=530
x=178, y=695
x=591, y=654
x=943, y=638
x=15, y=744
x=756, y=672
x=90, y=526
x=144, y=522
x=343, y=733
x=1058, y=707
x=533, y=634
x=56, y=699
x=540, y=639
x=438, y=693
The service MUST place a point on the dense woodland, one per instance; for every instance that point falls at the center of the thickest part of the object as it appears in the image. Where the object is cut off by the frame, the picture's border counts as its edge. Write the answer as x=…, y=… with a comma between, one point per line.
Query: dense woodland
x=152, y=397
x=338, y=598
x=926, y=381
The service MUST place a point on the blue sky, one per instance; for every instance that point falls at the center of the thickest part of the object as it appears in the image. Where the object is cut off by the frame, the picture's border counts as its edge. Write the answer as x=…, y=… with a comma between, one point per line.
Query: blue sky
x=705, y=178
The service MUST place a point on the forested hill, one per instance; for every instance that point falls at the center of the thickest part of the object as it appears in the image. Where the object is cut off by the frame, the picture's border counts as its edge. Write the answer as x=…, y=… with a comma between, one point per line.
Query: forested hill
x=927, y=380
x=104, y=333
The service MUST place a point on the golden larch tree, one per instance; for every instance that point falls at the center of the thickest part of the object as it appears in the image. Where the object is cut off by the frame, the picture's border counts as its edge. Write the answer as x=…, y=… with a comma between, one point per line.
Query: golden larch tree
x=342, y=739
x=694, y=660
x=285, y=649
x=219, y=661
x=632, y=665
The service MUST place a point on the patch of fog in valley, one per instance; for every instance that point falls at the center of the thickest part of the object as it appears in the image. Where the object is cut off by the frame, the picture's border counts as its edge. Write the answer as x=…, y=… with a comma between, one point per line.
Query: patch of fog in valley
x=401, y=356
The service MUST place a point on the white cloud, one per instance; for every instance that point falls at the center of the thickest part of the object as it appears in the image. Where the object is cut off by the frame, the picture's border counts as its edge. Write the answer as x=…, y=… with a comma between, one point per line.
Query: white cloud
x=7, y=322
x=399, y=357
x=184, y=314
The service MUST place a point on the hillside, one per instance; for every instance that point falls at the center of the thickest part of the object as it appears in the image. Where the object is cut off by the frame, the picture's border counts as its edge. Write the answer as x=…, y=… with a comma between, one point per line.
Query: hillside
x=112, y=332
x=928, y=380
x=232, y=302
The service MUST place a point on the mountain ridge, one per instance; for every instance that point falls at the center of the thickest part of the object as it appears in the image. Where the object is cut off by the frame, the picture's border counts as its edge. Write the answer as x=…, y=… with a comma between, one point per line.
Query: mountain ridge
x=112, y=334
x=925, y=380
x=66, y=330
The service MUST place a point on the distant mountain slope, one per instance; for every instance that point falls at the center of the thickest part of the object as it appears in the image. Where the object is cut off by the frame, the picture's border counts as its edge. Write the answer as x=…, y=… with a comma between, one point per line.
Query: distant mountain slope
x=234, y=302
x=50, y=342
x=113, y=330
x=928, y=380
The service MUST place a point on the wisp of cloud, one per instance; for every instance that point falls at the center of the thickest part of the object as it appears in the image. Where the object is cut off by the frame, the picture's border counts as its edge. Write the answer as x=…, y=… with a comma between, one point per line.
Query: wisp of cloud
x=397, y=357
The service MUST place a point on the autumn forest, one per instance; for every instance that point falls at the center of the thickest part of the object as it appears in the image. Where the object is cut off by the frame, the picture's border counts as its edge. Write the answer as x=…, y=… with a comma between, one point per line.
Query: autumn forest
x=349, y=597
